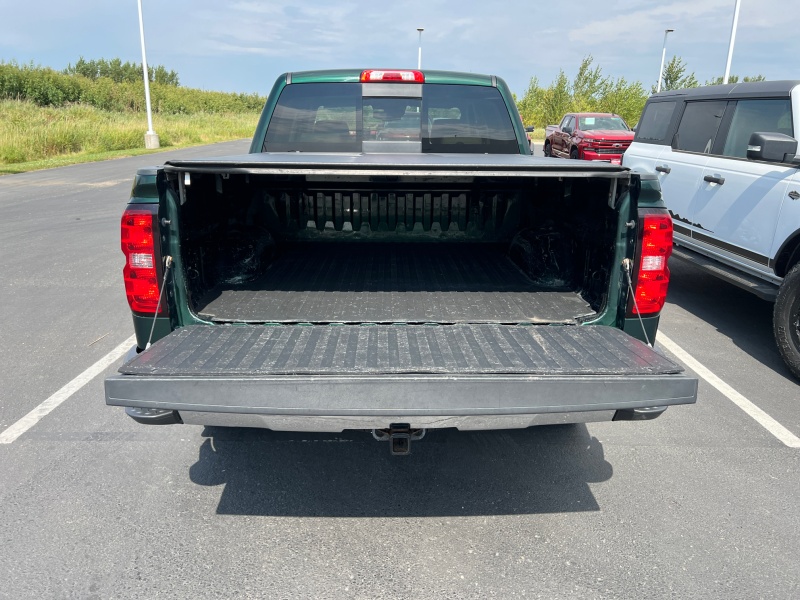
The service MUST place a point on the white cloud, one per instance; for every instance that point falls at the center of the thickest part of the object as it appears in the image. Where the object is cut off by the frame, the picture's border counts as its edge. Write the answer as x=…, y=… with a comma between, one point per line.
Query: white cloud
x=214, y=44
x=650, y=20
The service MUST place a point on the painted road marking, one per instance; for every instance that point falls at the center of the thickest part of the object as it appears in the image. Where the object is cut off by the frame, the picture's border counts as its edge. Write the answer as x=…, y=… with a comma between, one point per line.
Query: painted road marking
x=37, y=414
x=762, y=418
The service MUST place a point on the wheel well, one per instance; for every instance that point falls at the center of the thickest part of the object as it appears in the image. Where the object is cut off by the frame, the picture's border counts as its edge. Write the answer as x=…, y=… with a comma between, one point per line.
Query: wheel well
x=788, y=255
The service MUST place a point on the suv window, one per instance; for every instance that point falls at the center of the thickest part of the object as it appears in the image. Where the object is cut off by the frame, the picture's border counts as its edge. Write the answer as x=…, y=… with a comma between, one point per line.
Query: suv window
x=757, y=115
x=699, y=126
x=653, y=125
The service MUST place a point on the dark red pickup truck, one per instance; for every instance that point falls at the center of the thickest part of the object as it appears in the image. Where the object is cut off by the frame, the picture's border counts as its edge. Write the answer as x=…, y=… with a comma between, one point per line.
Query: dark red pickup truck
x=589, y=136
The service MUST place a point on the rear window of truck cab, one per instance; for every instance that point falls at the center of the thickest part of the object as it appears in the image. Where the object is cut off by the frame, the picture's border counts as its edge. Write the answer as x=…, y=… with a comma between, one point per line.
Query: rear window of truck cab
x=430, y=118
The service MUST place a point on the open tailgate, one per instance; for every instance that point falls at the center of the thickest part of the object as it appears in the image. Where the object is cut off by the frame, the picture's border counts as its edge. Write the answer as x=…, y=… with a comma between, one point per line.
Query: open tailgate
x=370, y=376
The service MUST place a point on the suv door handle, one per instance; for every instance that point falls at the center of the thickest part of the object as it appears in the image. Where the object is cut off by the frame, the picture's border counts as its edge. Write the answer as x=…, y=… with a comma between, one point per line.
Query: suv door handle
x=665, y=169
x=713, y=179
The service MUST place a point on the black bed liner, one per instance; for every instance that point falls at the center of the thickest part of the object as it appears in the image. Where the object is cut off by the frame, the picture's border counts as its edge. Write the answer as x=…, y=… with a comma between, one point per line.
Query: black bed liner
x=249, y=350
x=391, y=283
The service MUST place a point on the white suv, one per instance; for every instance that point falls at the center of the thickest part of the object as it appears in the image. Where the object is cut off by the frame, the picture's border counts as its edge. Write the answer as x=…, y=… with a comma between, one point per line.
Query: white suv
x=726, y=159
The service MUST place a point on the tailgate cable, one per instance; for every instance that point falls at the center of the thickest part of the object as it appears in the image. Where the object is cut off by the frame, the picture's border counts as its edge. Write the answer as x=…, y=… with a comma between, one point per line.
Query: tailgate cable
x=167, y=266
x=626, y=266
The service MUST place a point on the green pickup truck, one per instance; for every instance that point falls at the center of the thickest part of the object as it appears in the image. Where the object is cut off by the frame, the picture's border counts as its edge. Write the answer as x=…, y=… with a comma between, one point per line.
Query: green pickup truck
x=389, y=257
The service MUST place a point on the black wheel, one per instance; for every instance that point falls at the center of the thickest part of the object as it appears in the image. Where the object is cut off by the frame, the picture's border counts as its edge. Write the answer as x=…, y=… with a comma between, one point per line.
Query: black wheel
x=574, y=154
x=547, y=151
x=786, y=320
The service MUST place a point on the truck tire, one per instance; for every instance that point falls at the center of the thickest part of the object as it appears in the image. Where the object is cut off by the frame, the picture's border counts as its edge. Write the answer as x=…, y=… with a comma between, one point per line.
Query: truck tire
x=786, y=320
x=547, y=150
x=574, y=154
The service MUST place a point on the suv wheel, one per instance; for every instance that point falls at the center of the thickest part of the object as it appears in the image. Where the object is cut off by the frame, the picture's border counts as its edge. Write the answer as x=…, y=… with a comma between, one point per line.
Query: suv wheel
x=574, y=154
x=786, y=320
x=547, y=150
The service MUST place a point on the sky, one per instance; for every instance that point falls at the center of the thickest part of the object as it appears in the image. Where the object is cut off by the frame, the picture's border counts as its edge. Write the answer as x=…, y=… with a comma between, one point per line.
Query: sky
x=243, y=46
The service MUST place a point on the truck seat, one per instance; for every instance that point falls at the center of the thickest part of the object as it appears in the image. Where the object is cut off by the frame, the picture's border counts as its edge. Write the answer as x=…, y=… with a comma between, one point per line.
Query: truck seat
x=331, y=132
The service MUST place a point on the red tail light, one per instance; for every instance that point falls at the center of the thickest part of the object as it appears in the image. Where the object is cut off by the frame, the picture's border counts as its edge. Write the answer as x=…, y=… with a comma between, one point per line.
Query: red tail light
x=371, y=75
x=652, y=273
x=139, y=233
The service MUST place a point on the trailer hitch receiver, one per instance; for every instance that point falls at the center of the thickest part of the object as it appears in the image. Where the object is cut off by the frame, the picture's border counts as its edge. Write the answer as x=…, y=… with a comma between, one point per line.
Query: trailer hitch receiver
x=399, y=436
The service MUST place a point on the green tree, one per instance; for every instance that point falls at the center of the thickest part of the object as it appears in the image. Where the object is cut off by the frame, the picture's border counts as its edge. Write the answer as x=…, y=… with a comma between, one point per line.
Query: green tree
x=735, y=79
x=675, y=76
x=590, y=90
x=556, y=100
x=623, y=98
x=46, y=87
x=529, y=105
x=120, y=72
x=588, y=86
x=159, y=74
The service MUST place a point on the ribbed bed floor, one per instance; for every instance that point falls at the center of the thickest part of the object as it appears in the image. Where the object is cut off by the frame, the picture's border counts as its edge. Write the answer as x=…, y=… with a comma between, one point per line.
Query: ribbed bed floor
x=253, y=350
x=392, y=283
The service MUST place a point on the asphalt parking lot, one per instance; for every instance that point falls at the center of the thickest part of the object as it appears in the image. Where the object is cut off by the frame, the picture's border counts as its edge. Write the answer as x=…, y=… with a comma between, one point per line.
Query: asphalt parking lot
x=700, y=503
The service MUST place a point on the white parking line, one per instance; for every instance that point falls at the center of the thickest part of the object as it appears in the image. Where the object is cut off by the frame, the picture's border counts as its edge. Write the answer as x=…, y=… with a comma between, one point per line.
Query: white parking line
x=37, y=414
x=762, y=418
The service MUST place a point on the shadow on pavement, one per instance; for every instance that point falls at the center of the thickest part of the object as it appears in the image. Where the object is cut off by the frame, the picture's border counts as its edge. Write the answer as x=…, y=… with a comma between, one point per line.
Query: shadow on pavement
x=449, y=473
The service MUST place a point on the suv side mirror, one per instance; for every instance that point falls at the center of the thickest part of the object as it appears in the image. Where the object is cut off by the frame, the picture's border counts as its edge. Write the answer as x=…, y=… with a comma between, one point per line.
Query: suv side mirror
x=566, y=129
x=772, y=147
x=530, y=128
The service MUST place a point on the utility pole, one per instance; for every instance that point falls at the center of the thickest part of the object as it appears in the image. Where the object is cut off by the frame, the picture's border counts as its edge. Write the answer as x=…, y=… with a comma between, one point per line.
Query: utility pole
x=733, y=39
x=419, y=56
x=151, y=140
x=663, y=55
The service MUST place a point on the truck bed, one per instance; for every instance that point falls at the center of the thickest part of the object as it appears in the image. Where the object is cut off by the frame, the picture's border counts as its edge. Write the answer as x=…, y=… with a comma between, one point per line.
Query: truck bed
x=392, y=283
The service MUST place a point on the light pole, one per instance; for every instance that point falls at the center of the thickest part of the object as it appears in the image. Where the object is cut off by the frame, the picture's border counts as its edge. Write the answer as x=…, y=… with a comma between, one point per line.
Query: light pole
x=663, y=55
x=733, y=39
x=151, y=140
x=419, y=56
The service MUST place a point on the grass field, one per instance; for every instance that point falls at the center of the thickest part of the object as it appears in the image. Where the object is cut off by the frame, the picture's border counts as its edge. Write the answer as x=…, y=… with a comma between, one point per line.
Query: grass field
x=34, y=137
